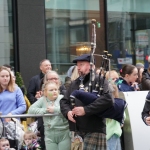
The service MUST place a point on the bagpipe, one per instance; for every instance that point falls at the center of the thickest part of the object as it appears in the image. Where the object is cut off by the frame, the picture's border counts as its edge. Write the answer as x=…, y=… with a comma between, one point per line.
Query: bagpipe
x=116, y=111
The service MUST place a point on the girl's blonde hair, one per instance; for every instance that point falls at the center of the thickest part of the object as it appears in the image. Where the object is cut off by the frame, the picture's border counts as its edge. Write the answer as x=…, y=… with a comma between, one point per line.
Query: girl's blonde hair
x=3, y=140
x=30, y=134
x=11, y=86
x=115, y=91
x=49, y=83
x=108, y=74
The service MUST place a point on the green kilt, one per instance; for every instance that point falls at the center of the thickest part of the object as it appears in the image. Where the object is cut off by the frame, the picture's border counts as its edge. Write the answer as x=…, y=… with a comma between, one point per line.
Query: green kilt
x=94, y=141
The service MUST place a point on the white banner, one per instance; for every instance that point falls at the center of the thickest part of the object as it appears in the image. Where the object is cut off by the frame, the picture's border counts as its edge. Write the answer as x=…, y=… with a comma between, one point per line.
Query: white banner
x=136, y=132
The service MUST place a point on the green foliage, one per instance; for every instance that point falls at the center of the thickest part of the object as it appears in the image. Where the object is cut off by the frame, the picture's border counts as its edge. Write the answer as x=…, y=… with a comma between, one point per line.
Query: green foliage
x=19, y=80
x=20, y=83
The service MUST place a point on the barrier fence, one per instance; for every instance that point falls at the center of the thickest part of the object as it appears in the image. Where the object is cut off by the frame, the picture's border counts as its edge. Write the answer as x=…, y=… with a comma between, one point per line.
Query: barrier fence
x=27, y=115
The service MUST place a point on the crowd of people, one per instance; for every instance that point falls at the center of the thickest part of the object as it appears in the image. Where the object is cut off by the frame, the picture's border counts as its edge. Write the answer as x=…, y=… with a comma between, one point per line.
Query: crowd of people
x=47, y=94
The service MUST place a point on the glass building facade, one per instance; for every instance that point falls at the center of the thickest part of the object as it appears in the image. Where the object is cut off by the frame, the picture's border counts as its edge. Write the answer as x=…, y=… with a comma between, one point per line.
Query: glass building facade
x=68, y=25
x=128, y=31
x=123, y=31
x=68, y=30
x=6, y=33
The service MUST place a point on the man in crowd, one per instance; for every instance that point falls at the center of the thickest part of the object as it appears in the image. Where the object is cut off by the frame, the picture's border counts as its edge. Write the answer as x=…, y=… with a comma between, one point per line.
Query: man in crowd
x=33, y=90
x=82, y=118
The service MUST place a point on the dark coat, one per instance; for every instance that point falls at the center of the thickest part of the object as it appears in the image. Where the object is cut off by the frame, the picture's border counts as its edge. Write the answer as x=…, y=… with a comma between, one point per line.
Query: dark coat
x=34, y=86
x=123, y=85
x=145, y=82
x=146, y=109
x=89, y=122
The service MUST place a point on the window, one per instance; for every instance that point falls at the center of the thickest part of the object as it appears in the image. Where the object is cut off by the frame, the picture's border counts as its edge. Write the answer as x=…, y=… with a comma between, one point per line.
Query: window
x=6, y=33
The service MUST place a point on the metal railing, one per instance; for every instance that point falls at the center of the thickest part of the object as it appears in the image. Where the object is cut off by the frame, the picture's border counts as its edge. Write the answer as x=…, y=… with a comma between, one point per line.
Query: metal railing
x=28, y=115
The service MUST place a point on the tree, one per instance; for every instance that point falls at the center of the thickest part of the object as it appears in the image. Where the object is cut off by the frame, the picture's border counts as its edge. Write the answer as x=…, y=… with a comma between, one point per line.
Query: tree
x=20, y=83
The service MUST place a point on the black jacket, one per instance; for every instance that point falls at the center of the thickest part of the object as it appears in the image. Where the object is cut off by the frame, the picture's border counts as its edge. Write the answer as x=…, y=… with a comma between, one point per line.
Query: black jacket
x=89, y=122
x=34, y=86
x=145, y=82
x=146, y=109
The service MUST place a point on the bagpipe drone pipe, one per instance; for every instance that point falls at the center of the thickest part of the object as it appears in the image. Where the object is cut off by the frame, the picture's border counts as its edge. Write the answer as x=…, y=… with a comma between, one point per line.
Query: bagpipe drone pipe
x=115, y=112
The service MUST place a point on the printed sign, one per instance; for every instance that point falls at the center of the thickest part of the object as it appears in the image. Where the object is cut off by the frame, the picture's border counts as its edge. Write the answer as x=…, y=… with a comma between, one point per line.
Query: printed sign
x=126, y=60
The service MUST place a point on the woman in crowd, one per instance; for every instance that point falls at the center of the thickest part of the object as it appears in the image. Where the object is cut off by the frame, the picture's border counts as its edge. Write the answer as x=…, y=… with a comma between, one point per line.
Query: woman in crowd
x=49, y=76
x=127, y=81
x=11, y=98
x=10, y=94
x=56, y=127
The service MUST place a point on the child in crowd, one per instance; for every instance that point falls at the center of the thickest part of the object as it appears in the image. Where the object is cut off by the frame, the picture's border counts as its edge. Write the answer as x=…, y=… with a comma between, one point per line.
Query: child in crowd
x=56, y=127
x=30, y=141
x=113, y=128
x=4, y=144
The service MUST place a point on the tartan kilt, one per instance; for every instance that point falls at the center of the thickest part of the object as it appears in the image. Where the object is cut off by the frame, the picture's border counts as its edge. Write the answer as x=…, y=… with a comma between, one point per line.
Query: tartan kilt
x=95, y=141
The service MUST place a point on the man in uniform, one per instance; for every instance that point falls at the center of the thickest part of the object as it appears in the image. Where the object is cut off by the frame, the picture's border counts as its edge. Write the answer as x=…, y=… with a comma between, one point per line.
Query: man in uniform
x=83, y=119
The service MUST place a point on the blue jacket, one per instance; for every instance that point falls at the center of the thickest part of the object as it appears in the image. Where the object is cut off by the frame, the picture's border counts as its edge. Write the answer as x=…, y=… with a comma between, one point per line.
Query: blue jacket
x=123, y=85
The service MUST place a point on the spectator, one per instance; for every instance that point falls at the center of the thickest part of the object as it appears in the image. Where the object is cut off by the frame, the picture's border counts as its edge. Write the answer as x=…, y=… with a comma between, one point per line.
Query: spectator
x=89, y=126
x=127, y=82
x=66, y=85
x=70, y=70
x=11, y=70
x=13, y=77
x=30, y=141
x=113, y=128
x=145, y=82
x=4, y=144
x=49, y=76
x=56, y=128
x=10, y=94
x=112, y=76
x=34, y=84
x=75, y=74
x=139, y=65
x=97, y=71
x=8, y=66
x=129, y=75
x=53, y=76
x=139, y=79
x=34, y=92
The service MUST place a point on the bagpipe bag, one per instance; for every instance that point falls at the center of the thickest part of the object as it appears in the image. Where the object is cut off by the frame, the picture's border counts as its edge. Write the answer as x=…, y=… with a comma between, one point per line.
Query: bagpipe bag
x=115, y=112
